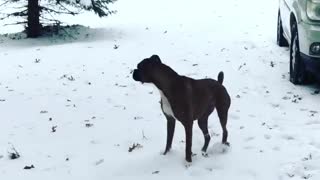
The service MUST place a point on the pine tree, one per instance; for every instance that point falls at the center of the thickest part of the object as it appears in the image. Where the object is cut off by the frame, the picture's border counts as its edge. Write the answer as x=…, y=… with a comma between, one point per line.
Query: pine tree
x=35, y=12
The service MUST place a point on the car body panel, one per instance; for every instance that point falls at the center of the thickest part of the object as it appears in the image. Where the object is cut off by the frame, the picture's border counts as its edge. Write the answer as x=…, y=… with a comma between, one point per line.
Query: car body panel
x=308, y=30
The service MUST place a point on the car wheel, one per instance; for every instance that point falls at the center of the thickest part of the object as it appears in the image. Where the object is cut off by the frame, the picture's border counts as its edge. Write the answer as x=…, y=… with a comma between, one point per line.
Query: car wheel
x=281, y=40
x=297, y=69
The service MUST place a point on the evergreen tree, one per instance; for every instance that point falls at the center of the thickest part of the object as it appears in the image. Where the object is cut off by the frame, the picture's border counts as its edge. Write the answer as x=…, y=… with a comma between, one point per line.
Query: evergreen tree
x=38, y=12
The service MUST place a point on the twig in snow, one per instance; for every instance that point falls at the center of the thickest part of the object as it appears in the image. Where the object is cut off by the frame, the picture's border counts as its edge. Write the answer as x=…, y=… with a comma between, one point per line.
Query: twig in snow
x=71, y=78
x=241, y=66
x=143, y=136
x=99, y=162
x=29, y=167
x=309, y=157
x=137, y=118
x=290, y=175
x=134, y=146
x=115, y=46
x=89, y=125
x=307, y=176
x=54, y=129
x=37, y=60
x=155, y=172
x=14, y=154
x=272, y=64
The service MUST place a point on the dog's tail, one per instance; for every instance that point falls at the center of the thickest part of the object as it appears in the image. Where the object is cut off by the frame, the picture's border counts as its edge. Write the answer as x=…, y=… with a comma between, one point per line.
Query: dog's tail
x=220, y=77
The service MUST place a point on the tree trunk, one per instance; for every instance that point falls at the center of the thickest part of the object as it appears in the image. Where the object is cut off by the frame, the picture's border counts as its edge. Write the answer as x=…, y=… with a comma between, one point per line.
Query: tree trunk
x=34, y=27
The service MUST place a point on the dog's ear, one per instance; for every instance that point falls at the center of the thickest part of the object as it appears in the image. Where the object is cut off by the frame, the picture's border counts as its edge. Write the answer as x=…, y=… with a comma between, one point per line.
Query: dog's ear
x=155, y=58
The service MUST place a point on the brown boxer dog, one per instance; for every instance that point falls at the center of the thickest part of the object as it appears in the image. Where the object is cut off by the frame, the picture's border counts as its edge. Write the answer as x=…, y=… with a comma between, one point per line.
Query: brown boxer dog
x=186, y=99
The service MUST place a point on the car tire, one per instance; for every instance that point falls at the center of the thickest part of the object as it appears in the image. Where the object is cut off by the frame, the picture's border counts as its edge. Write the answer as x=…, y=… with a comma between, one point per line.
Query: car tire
x=281, y=40
x=298, y=74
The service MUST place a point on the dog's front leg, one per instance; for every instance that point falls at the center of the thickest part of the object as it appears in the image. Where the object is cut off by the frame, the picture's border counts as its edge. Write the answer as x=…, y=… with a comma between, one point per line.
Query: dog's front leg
x=171, y=122
x=188, y=131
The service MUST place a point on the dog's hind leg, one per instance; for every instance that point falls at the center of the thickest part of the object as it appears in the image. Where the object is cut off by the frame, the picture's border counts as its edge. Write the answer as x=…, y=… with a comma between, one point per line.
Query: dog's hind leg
x=223, y=116
x=203, y=125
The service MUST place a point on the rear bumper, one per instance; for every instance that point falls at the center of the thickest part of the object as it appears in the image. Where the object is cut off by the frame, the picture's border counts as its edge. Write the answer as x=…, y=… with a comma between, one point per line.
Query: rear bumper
x=312, y=64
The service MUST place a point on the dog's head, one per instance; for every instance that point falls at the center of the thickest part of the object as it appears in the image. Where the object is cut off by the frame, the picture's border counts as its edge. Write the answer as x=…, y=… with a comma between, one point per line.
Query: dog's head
x=145, y=69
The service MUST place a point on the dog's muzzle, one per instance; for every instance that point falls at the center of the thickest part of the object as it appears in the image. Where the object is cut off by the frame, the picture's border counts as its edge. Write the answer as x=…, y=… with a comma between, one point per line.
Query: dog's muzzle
x=136, y=75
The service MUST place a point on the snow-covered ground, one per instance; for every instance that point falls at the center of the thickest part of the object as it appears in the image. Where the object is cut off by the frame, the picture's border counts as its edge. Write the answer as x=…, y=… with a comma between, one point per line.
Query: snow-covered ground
x=71, y=109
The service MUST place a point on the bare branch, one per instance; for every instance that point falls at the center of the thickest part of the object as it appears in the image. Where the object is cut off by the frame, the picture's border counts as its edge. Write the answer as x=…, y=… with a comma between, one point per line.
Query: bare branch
x=70, y=12
x=6, y=2
x=20, y=7
x=23, y=22
x=57, y=12
x=20, y=13
x=51, y=20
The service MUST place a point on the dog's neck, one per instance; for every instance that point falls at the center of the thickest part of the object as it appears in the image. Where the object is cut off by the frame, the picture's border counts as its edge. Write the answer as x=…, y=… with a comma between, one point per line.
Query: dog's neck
x=164, y=77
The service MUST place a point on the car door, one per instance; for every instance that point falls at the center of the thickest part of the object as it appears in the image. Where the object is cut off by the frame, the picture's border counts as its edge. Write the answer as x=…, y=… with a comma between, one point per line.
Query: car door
x=285, y=17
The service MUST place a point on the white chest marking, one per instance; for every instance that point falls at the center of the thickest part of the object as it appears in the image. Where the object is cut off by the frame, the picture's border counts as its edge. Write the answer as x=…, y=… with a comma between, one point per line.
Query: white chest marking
x=166, y=105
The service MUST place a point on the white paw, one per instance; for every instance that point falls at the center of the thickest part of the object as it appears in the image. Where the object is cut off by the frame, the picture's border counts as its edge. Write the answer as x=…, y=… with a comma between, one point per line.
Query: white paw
x=205, y=154
x=187, y=164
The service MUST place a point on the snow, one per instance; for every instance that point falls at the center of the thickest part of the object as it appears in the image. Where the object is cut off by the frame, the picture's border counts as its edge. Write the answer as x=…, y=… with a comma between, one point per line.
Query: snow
x=81, y=86
x=85, y=2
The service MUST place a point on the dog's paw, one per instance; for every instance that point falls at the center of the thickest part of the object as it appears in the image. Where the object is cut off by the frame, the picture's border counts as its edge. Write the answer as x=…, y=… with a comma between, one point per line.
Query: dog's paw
x=187, y=164
x=226, y=143
x=189, y=158
x=205, y=154
x=165, y=152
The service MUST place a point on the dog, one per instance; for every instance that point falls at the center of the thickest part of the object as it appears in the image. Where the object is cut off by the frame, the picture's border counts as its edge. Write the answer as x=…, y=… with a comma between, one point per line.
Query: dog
x=186, y=99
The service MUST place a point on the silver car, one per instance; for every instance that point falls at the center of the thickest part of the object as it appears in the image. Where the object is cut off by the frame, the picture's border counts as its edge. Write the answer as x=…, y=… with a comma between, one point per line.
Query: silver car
x=299, y=28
